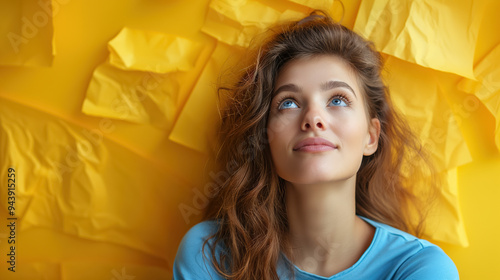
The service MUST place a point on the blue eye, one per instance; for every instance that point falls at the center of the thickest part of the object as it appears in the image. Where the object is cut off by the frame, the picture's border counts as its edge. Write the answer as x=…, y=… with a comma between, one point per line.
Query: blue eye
x=337, y=101
x=287, y=104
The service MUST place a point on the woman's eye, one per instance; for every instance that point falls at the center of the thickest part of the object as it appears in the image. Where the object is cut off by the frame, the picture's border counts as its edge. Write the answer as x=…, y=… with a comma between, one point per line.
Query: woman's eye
x=337, y=101
x=287, y=104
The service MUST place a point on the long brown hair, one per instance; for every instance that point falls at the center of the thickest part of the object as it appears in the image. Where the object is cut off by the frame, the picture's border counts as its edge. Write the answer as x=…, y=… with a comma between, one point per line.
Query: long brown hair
x=249, y=206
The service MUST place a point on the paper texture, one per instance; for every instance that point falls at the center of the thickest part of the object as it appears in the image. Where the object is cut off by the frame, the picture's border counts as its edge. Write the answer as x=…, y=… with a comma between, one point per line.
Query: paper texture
x=140, y=82
x=151, y=51
x=315, y=4
x=446, y=216
x=78, y=182
x=426, y=108
x=487, y=88
x=238, y=22
x=429, y=115
x=438, y=35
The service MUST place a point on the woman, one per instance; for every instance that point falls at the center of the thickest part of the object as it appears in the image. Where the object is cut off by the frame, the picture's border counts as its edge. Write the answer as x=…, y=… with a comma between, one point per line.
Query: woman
x=320, y=185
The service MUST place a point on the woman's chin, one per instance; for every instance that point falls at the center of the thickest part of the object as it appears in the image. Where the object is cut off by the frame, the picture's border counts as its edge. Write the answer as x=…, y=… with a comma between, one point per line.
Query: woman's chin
x=320, y=179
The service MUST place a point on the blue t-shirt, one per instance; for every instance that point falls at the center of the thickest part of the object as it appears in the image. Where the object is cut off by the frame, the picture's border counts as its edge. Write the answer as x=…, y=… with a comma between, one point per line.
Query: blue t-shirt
x=392, y=254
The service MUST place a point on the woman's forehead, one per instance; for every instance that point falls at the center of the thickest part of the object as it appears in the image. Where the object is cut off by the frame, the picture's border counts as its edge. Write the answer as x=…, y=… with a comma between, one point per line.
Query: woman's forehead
x=319, y=69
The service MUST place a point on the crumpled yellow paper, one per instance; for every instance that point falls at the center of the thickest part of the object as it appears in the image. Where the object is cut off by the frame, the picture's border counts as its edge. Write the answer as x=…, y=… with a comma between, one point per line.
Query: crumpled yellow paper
x=315, y=4
x=238, y=22
x=437, y=34
x=487, y=88
x=445, y=221
x=75, y=180
x=151, y=51
x=26, y=32
x=135, y=96
x=416, y=92
x=141, y=80
x=424, y=106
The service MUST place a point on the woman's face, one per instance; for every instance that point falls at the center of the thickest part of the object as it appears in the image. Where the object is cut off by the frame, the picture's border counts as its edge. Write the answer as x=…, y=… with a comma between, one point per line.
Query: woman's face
x=318, y=126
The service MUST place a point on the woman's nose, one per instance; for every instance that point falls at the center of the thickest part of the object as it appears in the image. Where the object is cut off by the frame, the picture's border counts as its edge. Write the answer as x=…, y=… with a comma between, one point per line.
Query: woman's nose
x=313, y=120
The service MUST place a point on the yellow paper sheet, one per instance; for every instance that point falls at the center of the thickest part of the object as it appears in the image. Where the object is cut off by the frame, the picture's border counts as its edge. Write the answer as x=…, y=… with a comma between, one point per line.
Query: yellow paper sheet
x=201, y=109
x=426, y=108
x=315, y=4
x=26, y=32
x=437, y=34
x=141, y=81
x=429, y=115
x=238, y=22
x=487, y=88
x=152, y=51
x=135, y=96
x=75, y=180
x=445, y=222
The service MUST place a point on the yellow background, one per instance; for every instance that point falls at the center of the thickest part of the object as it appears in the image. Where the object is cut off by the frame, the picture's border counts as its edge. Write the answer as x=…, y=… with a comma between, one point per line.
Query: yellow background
x=66, y=240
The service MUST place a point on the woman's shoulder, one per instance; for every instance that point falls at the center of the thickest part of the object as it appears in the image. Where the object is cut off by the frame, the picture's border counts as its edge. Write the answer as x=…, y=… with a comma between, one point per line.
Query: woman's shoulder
x=201, y=231
x=415, y=258
x=428, y=263
x=194, y=256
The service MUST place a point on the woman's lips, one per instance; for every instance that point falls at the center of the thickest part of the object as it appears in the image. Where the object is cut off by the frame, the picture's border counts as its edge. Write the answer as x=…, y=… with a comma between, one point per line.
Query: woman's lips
x=315, y=144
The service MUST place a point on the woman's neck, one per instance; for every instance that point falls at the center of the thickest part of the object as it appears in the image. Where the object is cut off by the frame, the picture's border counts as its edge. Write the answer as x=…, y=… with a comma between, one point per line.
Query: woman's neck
x=325, y=234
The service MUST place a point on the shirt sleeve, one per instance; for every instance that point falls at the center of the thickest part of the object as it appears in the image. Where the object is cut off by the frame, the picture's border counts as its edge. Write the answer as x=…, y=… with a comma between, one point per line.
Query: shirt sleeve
x=428, y=264
x=190, y=264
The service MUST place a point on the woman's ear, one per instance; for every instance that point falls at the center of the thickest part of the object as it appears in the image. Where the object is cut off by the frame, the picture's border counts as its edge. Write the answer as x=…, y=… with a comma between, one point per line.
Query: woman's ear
x=372, y=137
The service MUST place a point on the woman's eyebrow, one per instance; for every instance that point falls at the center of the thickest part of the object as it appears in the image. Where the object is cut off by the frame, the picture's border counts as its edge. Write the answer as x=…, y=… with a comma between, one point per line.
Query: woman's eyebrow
x=335, y=84
x=324, y=87
x=288, y=87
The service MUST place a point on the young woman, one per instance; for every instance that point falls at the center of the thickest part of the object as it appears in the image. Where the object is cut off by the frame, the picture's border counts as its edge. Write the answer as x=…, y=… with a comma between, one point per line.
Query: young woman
x=319, y=188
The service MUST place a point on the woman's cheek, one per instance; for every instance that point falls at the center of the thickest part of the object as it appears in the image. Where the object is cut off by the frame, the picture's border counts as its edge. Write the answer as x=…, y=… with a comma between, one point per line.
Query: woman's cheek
x=278, y=125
